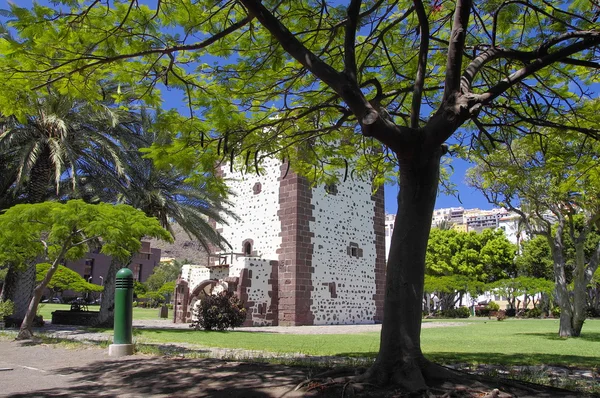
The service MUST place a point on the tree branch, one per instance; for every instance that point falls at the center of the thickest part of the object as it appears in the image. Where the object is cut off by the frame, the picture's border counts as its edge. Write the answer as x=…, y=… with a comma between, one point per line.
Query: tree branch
x=350, y=40
x=422, y=64
x=348, y=90
x=591, y=40
x=164, y=50
x=456, y=48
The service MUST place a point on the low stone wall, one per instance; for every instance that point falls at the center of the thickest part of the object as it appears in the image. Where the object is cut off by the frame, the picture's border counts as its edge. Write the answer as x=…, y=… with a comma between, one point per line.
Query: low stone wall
x=82, y=318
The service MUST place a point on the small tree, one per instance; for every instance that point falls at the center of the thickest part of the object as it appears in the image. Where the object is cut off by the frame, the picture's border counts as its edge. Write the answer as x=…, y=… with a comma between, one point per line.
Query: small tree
x=221, y=311
x=521, y=286
x=52, y=232
x=65, y=279
x=553, y=183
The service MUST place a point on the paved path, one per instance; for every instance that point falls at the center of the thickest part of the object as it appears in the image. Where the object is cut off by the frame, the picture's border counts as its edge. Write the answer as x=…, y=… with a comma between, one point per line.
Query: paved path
x=42, y=370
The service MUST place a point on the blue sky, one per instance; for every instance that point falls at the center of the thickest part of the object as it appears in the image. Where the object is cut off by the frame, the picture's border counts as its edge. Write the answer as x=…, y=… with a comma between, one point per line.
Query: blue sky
x=470, y=197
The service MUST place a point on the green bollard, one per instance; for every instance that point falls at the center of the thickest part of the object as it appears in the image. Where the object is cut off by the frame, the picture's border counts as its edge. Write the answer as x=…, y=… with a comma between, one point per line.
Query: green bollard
x=123, y=314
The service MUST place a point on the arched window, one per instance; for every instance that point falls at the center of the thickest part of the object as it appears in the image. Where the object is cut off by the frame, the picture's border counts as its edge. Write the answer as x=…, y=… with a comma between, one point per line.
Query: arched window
x=248, y=248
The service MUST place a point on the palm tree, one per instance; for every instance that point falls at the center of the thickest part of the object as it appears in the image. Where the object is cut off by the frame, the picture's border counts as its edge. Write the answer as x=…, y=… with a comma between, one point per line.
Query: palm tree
x=7, y=182
x=167, y=195
x=60, y=136
x=445, y=225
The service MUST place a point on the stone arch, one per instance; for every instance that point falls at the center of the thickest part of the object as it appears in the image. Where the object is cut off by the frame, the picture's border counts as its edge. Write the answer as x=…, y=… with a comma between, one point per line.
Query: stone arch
x=203, y=289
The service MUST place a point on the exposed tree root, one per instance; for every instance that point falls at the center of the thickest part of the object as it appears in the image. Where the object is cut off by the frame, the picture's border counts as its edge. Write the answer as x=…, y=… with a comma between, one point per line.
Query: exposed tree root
x=441, y=382
x=24, y=334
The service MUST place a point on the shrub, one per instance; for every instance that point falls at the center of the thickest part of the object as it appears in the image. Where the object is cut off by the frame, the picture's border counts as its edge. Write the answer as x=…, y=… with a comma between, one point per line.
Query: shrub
x=221, y=311
x=556, y=311
x=462, y=312
x=533, y=313
x=134, y=304
x=592, y=312
x=493, y=306
x=482, y=311
x=6, y=308
x=511, y=312
x=501, y=315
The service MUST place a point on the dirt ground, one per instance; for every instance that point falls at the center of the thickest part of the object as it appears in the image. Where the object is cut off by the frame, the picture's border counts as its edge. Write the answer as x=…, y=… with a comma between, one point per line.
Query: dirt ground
x=29, y=369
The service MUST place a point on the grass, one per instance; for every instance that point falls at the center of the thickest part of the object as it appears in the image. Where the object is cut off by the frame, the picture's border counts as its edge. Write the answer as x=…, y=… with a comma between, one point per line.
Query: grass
x=474, y=341
x=46, y=309
x=511, y=342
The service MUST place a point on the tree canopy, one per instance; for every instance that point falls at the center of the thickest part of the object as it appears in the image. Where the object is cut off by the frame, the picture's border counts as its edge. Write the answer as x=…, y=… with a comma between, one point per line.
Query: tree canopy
x=165, y=272
x=485, y=256
x=260, y=78
x=463, y=262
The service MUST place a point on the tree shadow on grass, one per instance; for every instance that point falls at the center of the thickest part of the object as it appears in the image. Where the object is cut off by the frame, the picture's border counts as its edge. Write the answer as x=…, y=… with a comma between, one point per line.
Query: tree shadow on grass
x=590, y=336
x=528, y=359
x=493, y=358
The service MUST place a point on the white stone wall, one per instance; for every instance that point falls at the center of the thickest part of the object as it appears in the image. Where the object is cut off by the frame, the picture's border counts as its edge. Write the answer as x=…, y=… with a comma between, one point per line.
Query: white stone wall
x=194, y=274
x=260, y=291
x=258, y=212
x=389, y=230
x=238, y=264
x=339, y=220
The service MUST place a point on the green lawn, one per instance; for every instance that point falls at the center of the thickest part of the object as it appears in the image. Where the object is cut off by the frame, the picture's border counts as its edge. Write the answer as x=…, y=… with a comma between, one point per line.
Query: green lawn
x=511, y=342
x=46, y=309
x=476, y=340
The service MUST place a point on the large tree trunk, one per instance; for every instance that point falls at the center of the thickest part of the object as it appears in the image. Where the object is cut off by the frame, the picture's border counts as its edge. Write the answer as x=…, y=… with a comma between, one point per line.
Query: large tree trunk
x=565, y=328
x=579, y=290
x=18, y=287
x=400, y=360
x=107, y=304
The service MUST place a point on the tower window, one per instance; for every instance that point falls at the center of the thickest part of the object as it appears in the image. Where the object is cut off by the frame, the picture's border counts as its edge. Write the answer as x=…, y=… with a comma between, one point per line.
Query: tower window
x=331, y=189
x=247, y=248
x=354, y=251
